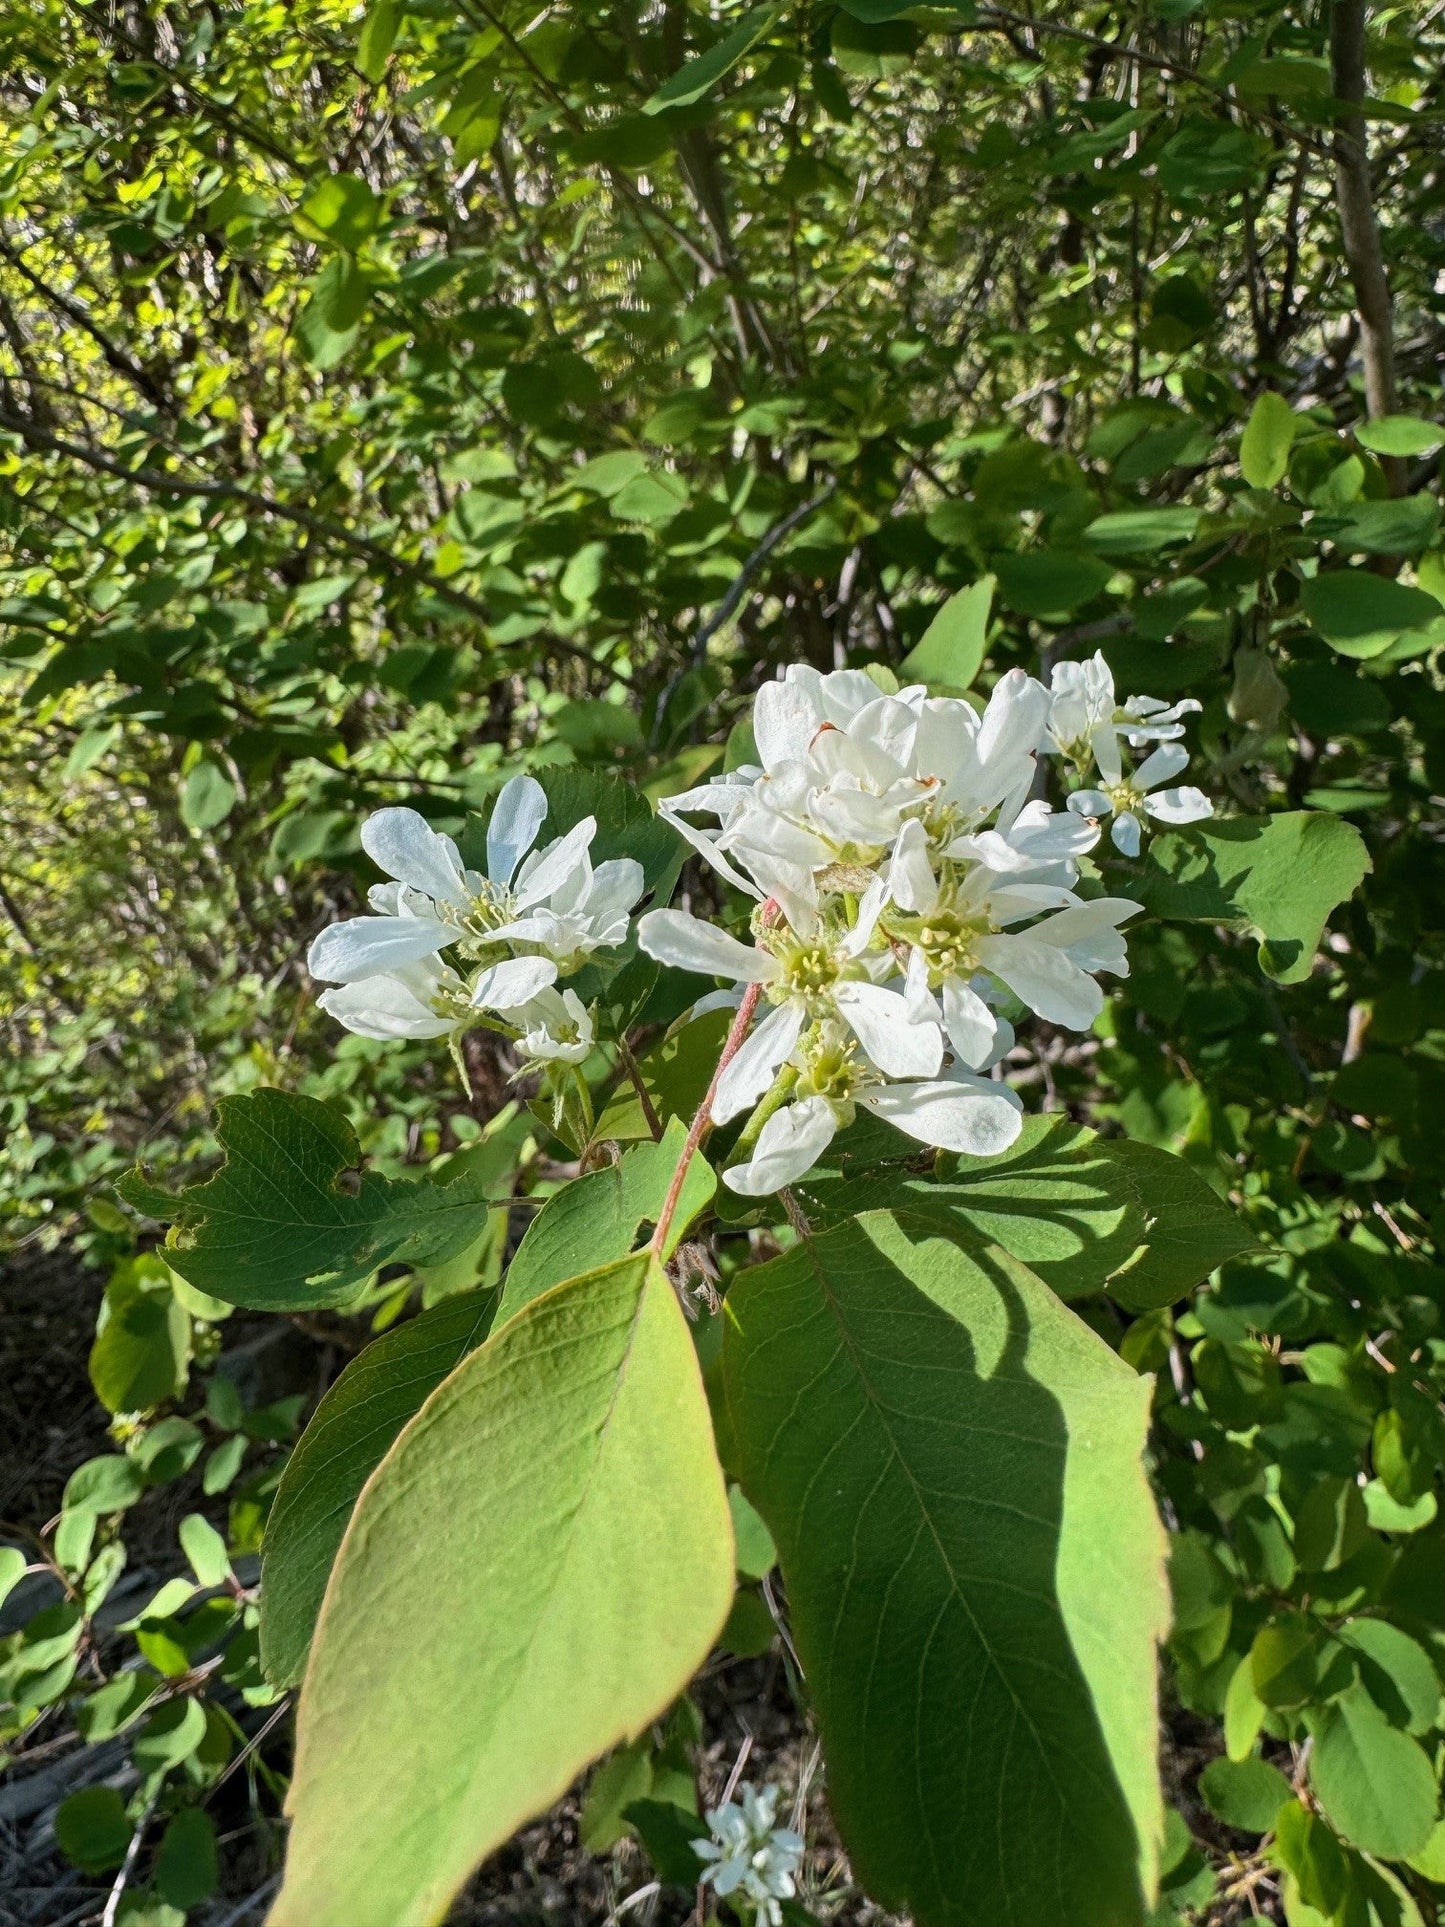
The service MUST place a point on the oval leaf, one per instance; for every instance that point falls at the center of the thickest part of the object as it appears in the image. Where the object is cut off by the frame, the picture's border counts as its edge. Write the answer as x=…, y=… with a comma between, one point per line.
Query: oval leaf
x=535, y=1571
x=949, y=1461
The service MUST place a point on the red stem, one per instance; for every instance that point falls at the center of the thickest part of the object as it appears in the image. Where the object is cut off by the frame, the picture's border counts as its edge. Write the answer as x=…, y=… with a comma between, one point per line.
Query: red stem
x=699, y=1128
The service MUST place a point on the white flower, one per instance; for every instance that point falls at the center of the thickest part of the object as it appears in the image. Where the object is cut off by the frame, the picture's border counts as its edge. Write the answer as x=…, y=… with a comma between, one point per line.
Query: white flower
x=808, y=976
x=1086, y=720
x=1126, y=798
x=555, y=1027
x=420, y=999
x=749, y=1856
x=550, y=901
x=955, y=1111
x=958, y=926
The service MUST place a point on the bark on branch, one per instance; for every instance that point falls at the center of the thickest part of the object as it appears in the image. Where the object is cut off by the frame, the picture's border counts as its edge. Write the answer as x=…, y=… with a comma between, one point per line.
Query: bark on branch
x=1354, y=195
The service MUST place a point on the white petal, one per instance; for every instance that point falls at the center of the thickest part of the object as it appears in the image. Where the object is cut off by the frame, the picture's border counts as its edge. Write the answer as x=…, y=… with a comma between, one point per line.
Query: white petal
x=972, y=1026
x=785, y=720
x=344, y=953
x=1105, y=744
x=519, y=812
x=1125, y=832
x=911, y=882
x=706, y=845
x=616, y=885
x=790, y=1143
x=1187, y=805
x=547, y=870
x=883, y=1024
x=687, y=943
x=405, y=845
x=392, y=1005
x=960, y=1113
x=761, y=1055
x=1160, y=765
x=513, y=982
x=870, y=908
x=1047, y=981
x=1090, y=803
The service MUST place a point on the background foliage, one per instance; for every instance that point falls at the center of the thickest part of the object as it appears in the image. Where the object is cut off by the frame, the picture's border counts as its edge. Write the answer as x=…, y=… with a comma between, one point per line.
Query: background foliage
x=393, y=400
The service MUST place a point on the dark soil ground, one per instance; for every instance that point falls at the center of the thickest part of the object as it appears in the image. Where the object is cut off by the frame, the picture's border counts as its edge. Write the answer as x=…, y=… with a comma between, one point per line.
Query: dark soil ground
x=50, y=1421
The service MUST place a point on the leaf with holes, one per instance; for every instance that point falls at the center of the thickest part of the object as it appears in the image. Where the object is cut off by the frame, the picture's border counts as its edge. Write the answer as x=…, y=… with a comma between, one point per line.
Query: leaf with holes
x=288, y=1223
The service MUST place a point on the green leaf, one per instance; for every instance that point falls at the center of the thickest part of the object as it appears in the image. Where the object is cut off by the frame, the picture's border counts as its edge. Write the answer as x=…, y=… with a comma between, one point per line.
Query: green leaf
x=702, y=73
x=378, y=37
x=950, y=651
x=1268, y=437
x=533, y=1573
x=1050, y=583
x=207, y=797
x=92, y=1829
x=1141, y=531
x=1246, y=1794
x=342, y=210
x=1399, y=435
x=354, y=1428
x=1375, y=1785
x=1396, y=1672
x=142, y=1343
x=1402, y=526
x=950, y=1463
x=109, y=1483
x=1360, y=613
x=1189, y=1230
x=1083, y=1213
x=288, y=1223
x=594, y=1220
x=185, y=1870
x=1280, y=876
x=327, y=327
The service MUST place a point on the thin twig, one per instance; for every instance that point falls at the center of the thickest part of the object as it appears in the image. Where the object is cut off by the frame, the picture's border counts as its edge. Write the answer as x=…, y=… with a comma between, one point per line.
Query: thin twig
x=701, y=1123
x=127, y=1866
x=634, y=1071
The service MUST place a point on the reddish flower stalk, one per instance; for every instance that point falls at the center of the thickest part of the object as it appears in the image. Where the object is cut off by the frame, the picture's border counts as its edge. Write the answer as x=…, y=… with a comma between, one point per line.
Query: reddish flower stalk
x=702, y=1122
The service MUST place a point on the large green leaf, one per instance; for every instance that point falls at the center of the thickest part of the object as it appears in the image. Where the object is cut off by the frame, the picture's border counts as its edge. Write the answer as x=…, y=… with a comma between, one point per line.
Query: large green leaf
x=532, y=1574
x=950, y=1462
x=354, y=1428
x=289, y=1222
x=1084, y=1213
x=595, y=1219
x=1280, y=876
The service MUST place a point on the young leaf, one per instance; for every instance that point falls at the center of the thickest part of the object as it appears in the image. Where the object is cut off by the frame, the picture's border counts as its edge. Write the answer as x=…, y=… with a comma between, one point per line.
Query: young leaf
x=532, y=1574
x=1279, y=875
x=354, y=1428
x=594, y=1220
x=950, y=1463
x=1268, y=437
x=949, y=653
x=702, y=73
x=276, y=1228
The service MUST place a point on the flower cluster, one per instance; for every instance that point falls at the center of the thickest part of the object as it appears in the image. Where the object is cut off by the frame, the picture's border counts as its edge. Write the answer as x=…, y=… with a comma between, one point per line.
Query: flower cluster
x=913, y=894
x=535, y=916
x=748, y=1857
x=909, y=884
